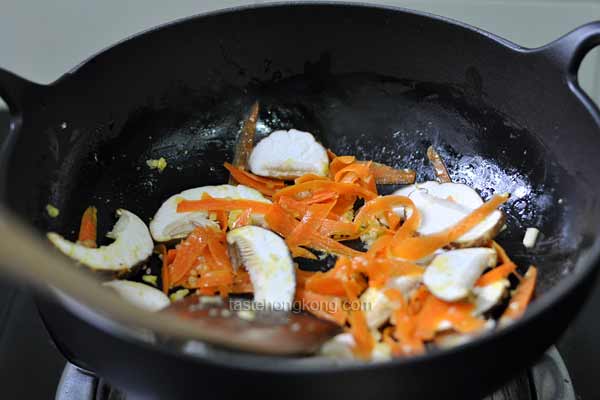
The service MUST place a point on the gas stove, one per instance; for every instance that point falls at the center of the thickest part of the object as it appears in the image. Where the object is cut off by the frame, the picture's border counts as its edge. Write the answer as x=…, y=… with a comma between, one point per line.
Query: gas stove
x=546, y=380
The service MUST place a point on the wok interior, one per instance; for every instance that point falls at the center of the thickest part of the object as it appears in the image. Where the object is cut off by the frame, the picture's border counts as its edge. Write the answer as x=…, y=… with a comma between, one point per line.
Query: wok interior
x=87, y=140
x=378, y=118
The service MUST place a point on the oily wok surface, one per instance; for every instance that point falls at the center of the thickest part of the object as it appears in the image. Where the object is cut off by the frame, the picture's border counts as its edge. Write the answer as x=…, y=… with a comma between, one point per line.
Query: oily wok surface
x=378, y=118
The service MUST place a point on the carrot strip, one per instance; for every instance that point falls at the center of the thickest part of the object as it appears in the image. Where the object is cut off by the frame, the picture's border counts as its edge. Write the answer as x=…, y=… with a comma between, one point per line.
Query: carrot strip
x=339, y=229
x=280, y=221
x=339, y=163
x=243, y=219
x=342, y=280
x=298, y=251
x=331, y=155
x=245, y=142
x=329, y=308
x=521, y=297
x=187, y=255
x=379, y=271
x=500, y=272
x=88, y=228
x=405, y=327
x=309, y=177
x=305, y=189
x=502, y=255
x=264, y=185
x=361, y=334
x=309, y=224
x=435, y=311
x=441, y=172
x=302, y=276
x=414, y=248
x=385, y=175
x=380, y=205
x=218, y=278
x=213, y=204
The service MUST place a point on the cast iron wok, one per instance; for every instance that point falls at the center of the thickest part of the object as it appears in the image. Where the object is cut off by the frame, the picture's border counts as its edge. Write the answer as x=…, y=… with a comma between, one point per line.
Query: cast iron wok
x=381, y=83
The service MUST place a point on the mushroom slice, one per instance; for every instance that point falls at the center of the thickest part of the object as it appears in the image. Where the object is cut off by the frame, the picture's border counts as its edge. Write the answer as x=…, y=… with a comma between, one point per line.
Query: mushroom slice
x=451, y=275
x=443, y=205
x=405, y=284
x=378, y=308
x=288, y=155
x=341, y=347
x=132, y=245
x=140, y=295
x=489, y=295
x=168, y=224
x=269, y=264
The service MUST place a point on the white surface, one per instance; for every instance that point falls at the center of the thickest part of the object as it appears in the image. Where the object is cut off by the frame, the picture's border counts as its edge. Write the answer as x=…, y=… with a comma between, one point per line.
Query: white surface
x=41, y=40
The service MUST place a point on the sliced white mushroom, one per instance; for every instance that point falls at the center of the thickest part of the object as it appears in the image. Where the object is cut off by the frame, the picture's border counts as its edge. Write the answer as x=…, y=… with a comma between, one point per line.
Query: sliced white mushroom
x=288, y=155
x=443, y=205
x=132, y=245
x=139, y=295
x=451, y=275
x=267, y=259
x=489, y=295
x=341, y=347
x=378, y=308
x=168, y=224
x=405, y=284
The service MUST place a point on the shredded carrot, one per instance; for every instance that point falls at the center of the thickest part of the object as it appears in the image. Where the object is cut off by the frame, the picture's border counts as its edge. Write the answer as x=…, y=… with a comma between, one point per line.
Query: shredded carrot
x=405, y=327
x=309, y=224
x=380, y=270
x=309, y=177
x=385, y=175
x=301, y=252
x=162, y=249
x=88, y=228
x=266, y=186
x=187, y=255
x=357, y=173
x=339, y=229
x=302, y=276
x=241, y=282
x=415, y=248
x=222, y=205
x=379, y=206
x=435, y=311
x=338, y=163
x=330, y=308
x=331, y=155
x=502, y=255
x=360, y=332
x=521, y=297
x=305, y=189
x=280, y=221
x=342, y=280
x=243, y=219
x=245, y=141
x=500, y=272
x=441, y=172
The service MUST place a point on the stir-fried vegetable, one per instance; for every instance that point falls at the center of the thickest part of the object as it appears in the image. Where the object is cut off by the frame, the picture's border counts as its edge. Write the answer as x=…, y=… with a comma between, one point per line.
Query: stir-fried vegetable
x=407, y=274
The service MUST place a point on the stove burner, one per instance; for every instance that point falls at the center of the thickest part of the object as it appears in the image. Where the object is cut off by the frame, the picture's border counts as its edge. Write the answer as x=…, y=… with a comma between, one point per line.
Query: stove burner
x=547, y=380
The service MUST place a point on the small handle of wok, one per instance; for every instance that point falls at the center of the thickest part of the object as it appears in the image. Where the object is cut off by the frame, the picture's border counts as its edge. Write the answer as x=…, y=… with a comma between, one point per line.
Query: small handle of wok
x=569, y=51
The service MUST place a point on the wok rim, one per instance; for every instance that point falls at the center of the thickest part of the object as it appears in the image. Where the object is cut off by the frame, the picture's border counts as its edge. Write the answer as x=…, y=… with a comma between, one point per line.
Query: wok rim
x=245, y=361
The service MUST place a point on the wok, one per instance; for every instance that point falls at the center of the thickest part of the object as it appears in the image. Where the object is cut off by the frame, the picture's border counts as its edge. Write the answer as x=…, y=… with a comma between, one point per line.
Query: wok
x=382, y=83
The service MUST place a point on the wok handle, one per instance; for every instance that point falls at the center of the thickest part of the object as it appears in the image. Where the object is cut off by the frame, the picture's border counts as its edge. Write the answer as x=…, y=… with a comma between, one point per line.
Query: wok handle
x=568, y=51
x=14, y=90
